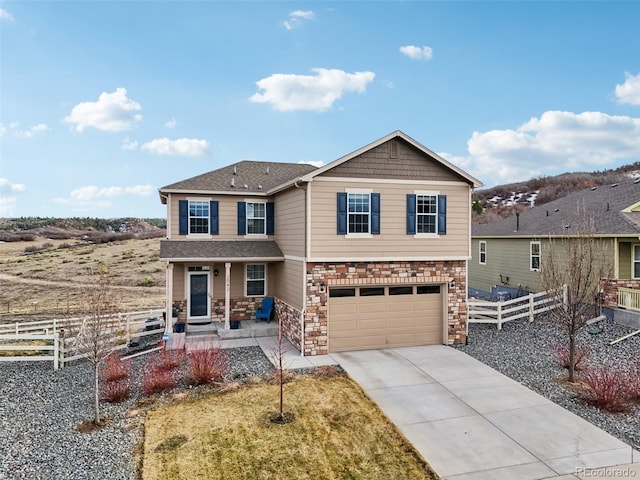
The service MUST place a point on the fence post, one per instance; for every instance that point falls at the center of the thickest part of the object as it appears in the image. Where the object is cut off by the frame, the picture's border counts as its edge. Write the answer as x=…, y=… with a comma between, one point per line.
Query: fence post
x=17, y=329
x=61, y=349
x=531, y=307
x=56, y=351
x=128, y=329
x=499, y=316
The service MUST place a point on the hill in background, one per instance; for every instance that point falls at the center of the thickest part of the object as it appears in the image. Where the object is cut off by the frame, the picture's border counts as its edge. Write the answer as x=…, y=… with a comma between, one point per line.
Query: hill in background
x=497, y=202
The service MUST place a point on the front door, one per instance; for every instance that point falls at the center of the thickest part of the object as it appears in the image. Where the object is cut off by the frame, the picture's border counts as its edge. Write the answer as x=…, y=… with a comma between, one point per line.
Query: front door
x=199, y=305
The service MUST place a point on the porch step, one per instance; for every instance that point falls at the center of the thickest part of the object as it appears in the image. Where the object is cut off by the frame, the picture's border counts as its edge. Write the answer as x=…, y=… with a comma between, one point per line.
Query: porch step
x=250, y=329
x=211, y=328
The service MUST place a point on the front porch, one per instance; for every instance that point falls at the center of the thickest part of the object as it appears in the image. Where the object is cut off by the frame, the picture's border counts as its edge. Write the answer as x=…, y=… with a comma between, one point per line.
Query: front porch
x=622, y=299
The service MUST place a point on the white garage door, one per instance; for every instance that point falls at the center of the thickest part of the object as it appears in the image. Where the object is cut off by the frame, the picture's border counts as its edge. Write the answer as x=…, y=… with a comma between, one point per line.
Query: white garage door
x=384, y=316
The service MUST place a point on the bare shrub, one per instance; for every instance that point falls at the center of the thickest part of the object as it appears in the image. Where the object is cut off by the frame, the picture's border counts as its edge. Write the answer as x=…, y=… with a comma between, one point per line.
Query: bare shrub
x=114, y=368
x=277, y=376
x=171, y=359
x=607, y=389
x=157, y=380
x=116, y=391
x=561, y=354
x=207, y=365
x=633, y=383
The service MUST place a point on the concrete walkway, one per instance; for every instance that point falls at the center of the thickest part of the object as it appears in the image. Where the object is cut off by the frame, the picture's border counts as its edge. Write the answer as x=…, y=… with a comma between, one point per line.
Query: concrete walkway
x=469, y=421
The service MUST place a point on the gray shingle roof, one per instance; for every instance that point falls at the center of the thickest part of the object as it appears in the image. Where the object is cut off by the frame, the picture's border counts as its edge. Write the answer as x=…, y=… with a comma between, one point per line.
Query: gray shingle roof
x=241, y=250
x=602, y=205
x=259, y=177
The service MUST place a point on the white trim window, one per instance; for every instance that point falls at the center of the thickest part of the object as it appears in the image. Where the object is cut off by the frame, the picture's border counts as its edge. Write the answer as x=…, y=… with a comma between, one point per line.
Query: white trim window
x=255, y=280
x=534, y=256
x=256, y=218
x=359, y=212
x=198, y=217
x=482, y=252
x=636, y=261
x=426, y=213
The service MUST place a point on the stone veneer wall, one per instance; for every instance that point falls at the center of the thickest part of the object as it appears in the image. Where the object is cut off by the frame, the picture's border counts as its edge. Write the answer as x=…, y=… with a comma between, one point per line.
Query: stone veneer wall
x=289, y=319
x=241, y=308
x=381, y=273
x=610, y=287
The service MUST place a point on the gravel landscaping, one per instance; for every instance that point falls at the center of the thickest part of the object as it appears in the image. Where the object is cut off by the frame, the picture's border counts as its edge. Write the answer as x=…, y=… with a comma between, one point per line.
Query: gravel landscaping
x=40, y=410
x=524, y=352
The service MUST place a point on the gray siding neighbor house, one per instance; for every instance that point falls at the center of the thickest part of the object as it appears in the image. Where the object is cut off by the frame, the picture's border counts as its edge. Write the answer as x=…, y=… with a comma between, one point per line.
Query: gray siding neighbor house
x=507, y=255
x=368, y=251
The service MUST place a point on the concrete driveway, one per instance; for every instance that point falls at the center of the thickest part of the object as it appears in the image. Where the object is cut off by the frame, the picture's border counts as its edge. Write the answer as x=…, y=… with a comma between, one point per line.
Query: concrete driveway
x=471, y=422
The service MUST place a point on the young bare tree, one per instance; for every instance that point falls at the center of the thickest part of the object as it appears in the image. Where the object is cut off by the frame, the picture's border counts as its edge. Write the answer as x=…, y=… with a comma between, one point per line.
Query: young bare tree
x=278, y=354
x=577, y=261
x=101, y=329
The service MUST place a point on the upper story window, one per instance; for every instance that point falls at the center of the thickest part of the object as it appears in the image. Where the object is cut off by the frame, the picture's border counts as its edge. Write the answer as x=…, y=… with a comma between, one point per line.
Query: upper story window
x=534, y=254
x=636, y=261
x=426, y=213
x=358, y=213
x=198, y=217
x=482, y=250
x=256, y=218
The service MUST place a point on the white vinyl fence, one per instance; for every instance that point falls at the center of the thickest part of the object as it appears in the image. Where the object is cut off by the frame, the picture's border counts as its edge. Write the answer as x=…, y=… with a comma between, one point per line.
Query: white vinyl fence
x=529, y=306
x=53, y=340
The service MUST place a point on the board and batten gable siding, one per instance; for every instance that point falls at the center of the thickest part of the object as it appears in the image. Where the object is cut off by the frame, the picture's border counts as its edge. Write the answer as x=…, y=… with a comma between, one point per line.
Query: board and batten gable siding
x=287, y=282
x=290, y=222
x=393, y=240
x=227, y=215
x=408, y=164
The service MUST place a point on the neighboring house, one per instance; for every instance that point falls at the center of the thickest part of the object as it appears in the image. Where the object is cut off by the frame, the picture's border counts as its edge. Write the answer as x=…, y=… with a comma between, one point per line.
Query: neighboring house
x=368, y=251
x=508, y=254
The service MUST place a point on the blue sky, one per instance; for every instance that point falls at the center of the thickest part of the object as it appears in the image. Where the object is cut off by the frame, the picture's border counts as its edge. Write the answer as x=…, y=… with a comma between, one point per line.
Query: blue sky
x=102, y=103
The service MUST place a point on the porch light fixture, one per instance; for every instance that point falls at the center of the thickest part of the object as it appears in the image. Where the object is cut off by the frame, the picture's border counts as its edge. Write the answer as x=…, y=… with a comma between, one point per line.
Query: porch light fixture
x=215, y=272
x=323, y=287
x=452, y=283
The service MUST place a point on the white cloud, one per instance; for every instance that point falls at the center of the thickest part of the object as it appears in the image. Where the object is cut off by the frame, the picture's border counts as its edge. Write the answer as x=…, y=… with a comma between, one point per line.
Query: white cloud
x=289, y=92
x=7, y=196
x=29, y=132
x=555, y=142
x=297, y=18
x=2, y=130
x=189, y=147
x=113, y=112
x=171, y=123
x=629, y=91
x=315, y=163
x=7, y=186
x=417, y=53
x=128, y=144
x=92, y=192
x=4, y=15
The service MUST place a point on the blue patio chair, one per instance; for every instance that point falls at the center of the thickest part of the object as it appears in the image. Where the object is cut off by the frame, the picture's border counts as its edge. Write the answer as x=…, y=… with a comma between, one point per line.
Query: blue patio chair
x=265, y=310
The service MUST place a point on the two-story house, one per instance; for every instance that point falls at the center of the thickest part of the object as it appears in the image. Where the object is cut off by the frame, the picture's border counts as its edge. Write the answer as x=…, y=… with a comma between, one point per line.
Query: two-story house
x=368, y=251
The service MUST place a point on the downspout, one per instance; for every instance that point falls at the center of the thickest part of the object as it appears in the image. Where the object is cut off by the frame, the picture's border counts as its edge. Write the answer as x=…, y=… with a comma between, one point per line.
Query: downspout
x=304, y=265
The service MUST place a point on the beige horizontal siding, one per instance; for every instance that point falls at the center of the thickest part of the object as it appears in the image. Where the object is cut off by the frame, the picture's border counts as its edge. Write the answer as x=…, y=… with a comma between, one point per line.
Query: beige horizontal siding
x=290, y=221
x=286, y=282
x=393, y=240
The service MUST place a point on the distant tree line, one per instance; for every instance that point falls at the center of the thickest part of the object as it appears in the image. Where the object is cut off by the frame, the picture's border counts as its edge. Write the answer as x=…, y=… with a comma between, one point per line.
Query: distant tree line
x=81, y=223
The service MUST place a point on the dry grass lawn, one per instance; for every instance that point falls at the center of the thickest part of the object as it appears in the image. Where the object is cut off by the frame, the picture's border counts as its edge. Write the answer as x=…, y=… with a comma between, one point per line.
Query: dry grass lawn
x=48, y=283
x=337, y=433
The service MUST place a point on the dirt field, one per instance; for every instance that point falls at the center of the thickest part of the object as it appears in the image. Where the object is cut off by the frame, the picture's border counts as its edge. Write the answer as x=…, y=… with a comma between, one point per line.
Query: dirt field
x=47, y=283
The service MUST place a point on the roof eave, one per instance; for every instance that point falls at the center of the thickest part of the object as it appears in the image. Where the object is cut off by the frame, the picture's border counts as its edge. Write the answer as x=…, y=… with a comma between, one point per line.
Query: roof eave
x=222, y=259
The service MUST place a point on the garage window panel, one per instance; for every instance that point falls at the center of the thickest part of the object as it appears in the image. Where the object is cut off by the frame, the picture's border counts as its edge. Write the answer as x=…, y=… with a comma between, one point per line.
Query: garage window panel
x=428, y=289
x=371, y=291
x=342, y=292
x=401, y=290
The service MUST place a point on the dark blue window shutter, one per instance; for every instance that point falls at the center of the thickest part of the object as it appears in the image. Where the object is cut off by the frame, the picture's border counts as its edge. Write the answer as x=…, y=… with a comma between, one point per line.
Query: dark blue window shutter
x=375, y=213
x=213, y=217
x=442, y=214
x=411, y=214
x=271, y=220
x=342, y=213
x=183, y=213
x=242, y=218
